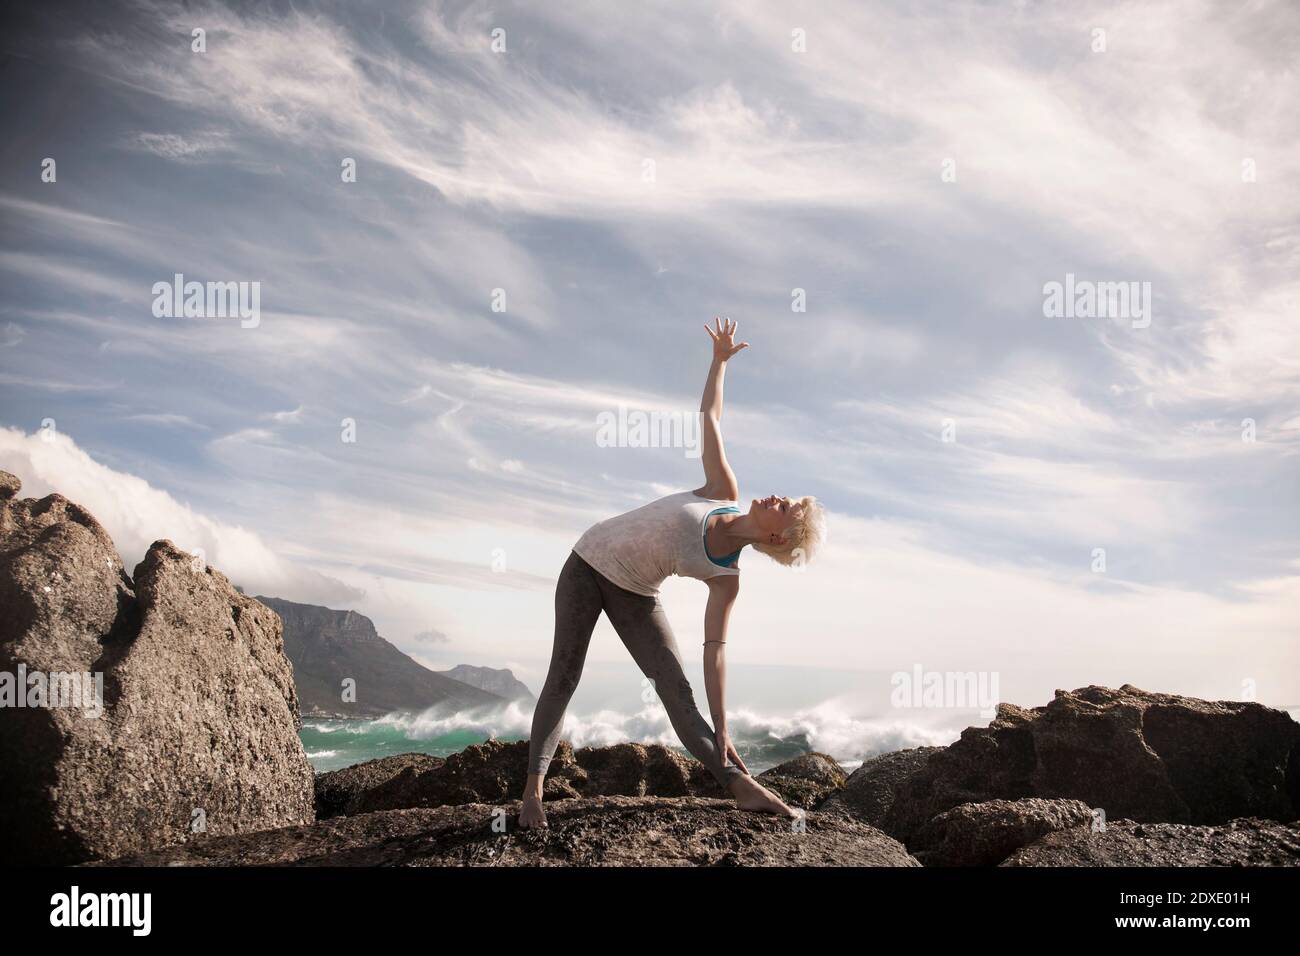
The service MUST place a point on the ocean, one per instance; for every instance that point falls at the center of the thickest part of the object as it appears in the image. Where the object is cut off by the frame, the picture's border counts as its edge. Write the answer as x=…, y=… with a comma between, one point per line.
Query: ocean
x=332, y=744
x=774, y=713
x=775, y=719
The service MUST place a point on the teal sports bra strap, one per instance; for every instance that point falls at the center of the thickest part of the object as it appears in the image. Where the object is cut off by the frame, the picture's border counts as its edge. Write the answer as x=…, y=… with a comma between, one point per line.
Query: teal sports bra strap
x=728, y=560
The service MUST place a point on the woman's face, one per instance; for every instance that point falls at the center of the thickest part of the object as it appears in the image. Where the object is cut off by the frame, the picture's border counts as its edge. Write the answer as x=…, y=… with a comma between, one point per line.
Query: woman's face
x=773, y=514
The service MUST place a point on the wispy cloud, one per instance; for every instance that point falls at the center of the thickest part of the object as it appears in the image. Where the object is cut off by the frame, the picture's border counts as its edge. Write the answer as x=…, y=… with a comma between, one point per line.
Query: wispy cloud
x=177, y=146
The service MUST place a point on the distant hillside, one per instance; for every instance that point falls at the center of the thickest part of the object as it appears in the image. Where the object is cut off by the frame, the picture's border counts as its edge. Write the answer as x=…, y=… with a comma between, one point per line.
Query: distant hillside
x=326, y=646
x=499, y=681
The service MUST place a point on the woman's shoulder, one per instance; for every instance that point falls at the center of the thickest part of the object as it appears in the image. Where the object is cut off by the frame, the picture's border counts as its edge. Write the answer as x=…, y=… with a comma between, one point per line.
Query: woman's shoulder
x=715, y=495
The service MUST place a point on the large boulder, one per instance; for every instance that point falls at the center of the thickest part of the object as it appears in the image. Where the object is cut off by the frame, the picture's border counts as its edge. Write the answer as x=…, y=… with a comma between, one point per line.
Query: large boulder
x=985, y=834
x=1129, y=752
x=1243, y=842
x=384, y=783
x=805, y=781
x=197, y=723
x=595, y=831
x=868, y=794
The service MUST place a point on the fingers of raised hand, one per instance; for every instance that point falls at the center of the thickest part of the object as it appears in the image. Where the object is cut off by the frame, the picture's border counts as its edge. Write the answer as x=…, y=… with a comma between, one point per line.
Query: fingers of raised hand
x=724, y=329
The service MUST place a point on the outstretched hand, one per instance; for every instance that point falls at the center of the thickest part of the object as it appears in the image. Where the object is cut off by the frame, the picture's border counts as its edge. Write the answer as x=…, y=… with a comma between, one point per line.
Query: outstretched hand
x=728, y=750
x=723, y=334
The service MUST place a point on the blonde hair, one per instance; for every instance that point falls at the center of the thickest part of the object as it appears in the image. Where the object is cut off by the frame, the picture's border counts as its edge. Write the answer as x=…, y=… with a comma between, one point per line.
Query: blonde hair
x=803, y=539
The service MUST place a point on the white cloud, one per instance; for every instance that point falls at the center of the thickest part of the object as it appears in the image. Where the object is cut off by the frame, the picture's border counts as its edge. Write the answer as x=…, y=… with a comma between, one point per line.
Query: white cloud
x=292, y=416
x=135, y=514
x=180, y=147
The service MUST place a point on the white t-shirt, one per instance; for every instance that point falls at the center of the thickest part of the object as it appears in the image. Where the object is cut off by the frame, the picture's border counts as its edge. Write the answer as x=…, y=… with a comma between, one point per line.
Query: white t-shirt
x=639, y=549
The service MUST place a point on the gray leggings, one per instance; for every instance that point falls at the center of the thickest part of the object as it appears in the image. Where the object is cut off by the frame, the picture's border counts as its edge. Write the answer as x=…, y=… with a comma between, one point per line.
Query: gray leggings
x=581, y=594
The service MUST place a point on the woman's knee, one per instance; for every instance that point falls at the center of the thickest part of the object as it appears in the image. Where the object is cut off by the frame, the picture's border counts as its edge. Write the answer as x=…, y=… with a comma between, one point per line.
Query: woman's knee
x=675, y=692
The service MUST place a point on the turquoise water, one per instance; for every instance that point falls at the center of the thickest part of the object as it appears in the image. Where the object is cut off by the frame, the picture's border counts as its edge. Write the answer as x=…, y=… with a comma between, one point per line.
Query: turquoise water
x=332, y=744
x=773, y=717
x=776, y=715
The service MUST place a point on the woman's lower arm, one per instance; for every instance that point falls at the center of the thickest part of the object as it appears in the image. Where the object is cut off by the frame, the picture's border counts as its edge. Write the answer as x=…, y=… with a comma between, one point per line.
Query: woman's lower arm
x=715, y=674
x=711, y=401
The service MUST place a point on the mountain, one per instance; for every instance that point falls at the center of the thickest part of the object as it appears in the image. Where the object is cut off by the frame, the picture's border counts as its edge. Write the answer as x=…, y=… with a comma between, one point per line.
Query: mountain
x=326, y=647
x=499, y=681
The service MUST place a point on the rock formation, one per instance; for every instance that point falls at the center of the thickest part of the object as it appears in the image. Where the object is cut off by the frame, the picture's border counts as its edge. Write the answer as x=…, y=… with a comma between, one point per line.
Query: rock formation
x=985, y=834
x=1243, y=842
x=494, y=771
x=187, y=752
x=593, y=831
x=806, y=781
x=199, y=719
x=868, y=794
x=1131, y=753
x=1026, y=788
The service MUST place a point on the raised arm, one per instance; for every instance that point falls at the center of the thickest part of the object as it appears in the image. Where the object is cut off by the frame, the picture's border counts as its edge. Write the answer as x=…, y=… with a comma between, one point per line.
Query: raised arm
x=719, y=480
x=722, y=595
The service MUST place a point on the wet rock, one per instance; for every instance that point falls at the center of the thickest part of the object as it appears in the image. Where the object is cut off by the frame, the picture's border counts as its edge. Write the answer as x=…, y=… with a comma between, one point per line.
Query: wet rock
x=1242, y=842
x=985, y=834
x=805, y=781
x=383, y=783
x=869, y=792
x=594, y=831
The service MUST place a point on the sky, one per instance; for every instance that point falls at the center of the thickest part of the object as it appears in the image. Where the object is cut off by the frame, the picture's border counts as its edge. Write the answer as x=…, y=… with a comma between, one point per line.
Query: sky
x=550, y=200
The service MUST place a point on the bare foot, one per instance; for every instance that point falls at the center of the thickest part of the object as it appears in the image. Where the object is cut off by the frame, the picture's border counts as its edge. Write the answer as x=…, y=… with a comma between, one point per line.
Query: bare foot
x=752, y=795
x=531, y=814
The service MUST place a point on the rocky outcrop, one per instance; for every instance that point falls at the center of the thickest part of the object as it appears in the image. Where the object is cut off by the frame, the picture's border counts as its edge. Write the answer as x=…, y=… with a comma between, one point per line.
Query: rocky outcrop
x=495, y=771
x=985, y=834
x=499, y=681
x=805, y=781
x=328, y=647
x=1244, y=842
x=381, y=784
x=196, y=725
x=868, y=794
x=195, y=722
x=596, y=831
x=1131, y=753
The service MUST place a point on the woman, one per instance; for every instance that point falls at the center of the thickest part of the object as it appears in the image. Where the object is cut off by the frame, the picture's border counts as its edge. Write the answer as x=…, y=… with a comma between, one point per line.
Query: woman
x=617, y=567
